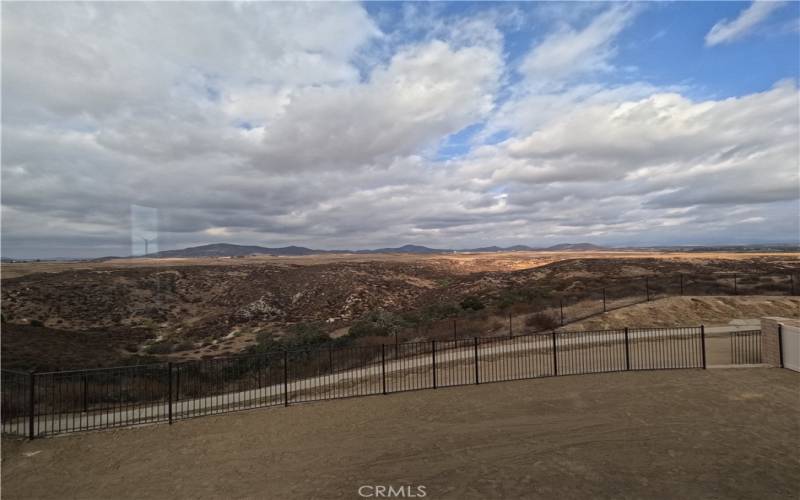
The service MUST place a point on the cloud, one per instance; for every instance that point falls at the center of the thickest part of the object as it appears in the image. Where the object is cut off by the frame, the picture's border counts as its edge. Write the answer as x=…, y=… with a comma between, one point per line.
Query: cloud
x=727, y=31
x=241, y=124
x=568, y=52
x=612, y=164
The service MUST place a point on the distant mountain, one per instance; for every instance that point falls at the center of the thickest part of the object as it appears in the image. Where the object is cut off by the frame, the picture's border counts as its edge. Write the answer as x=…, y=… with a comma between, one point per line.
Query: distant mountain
x=519, y=248
x=495, y=248
x=578, y=247
x=230, y=250
x=405, y=249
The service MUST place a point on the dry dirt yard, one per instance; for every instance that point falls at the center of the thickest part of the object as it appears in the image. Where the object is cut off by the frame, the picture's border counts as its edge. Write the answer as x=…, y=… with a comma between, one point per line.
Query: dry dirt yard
x=681, y=434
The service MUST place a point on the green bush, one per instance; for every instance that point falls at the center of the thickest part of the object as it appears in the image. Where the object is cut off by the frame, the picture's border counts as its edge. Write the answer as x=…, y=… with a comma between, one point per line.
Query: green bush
x=472, y=303
x=378, y=323
x=303, y=335
x=299, y=336
x=441, y=311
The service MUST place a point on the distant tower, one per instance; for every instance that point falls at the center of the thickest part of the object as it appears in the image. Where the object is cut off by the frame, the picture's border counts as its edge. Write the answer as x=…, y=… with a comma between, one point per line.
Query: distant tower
x=146, y=246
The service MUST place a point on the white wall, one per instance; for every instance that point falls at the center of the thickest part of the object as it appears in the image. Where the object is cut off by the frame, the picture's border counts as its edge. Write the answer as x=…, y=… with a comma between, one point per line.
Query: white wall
x=791, y=347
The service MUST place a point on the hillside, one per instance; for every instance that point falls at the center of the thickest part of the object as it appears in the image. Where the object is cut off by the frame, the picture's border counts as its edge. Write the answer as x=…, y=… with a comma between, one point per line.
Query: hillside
x=232, y=250
x=184, y=308
x=683, y=311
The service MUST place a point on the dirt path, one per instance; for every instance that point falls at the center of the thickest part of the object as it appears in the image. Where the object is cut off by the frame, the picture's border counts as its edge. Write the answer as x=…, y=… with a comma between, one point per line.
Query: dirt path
x=680, y=434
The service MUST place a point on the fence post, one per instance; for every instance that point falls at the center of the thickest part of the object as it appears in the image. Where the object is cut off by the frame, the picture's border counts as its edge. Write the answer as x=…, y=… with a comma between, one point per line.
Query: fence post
x=477, y=377
x=604, y=300
x=555, y=357
x=433, y=358
x=510, y=328
x=383, y=367
x=330, y=358
x=178, y=384
x=703, y=342
x=85, y=393
x=627, y=351
x=681, y=284
x=561, y=308
x=285, y=378
x=455, y=331
x=260, y=369
x=780, y=343
x=169, y=388
x=31, y=403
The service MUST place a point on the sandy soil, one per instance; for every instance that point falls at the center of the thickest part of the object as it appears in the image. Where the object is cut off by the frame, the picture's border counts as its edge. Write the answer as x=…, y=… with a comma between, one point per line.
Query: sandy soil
x=680, y=434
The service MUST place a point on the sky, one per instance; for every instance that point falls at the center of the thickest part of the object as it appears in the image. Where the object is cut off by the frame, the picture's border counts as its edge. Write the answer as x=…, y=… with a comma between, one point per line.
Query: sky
x=347, y=125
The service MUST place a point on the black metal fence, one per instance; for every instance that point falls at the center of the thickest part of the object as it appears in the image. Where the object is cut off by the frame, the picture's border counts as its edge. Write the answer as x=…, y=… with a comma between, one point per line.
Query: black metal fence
x=579, y=300
x=745, y=347
x=41, y=404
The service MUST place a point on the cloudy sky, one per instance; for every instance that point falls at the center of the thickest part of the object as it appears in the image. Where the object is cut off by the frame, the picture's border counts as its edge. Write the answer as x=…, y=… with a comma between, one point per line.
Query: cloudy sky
x=346, y=125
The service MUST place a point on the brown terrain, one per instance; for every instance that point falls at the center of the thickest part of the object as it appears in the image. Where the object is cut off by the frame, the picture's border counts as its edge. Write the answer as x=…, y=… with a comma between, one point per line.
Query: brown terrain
x=82, y=314
x=676, y=434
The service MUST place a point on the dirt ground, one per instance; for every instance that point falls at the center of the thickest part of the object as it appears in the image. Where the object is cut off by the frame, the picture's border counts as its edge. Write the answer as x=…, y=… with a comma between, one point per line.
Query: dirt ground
x=681, y=434
x=688, y=311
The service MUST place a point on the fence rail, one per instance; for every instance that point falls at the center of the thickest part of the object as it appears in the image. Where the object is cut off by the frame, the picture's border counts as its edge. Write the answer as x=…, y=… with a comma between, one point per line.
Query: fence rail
x=42, y=404
x=529, y=310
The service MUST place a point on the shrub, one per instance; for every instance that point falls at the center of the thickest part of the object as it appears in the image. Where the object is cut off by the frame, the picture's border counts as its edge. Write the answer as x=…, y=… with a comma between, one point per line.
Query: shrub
x=304, y=335
x=378, y=323
x=299, y=336
x=440, y=311
x=164, y=347
x=541, y=321
x=184, y=346
x=511, y=297
x=472, y=303
x=36, y=322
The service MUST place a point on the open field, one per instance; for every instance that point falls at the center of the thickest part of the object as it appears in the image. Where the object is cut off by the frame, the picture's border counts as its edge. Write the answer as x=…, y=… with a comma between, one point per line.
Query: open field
x=460, y=262
x=689, y=434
